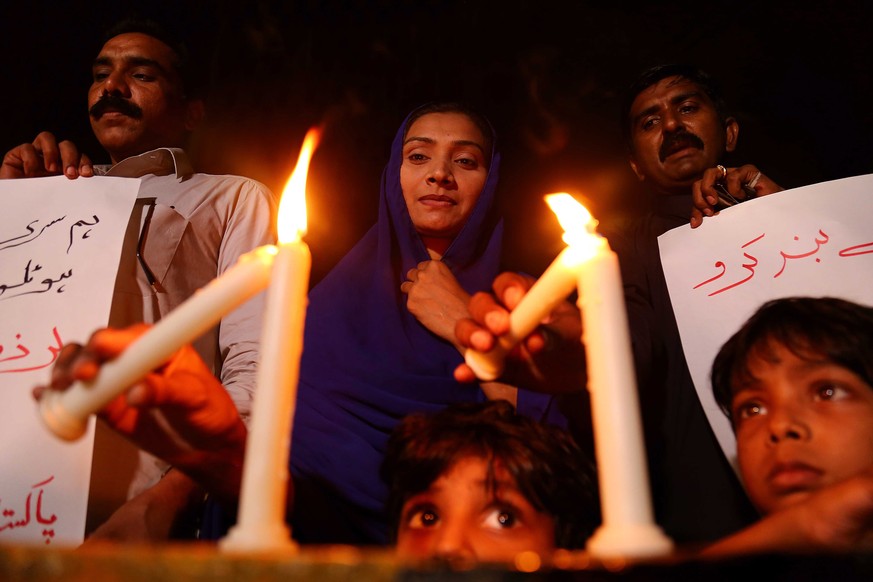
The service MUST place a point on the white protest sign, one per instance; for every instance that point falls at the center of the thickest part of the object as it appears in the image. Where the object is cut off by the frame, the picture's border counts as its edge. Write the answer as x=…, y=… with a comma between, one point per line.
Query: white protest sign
x=813, y=241
x=60, y=243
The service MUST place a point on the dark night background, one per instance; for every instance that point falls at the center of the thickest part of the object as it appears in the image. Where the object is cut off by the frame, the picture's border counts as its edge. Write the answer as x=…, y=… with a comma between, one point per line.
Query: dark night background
x=548, y=74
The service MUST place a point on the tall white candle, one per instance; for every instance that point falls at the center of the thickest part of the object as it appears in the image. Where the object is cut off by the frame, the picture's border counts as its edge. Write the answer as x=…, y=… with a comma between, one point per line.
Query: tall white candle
x=66, y=413
x=261, y=524
x=628, y=529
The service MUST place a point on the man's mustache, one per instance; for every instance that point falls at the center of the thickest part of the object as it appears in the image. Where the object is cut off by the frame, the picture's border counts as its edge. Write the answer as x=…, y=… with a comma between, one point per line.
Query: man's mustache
x=675, y=141
x=115, y=103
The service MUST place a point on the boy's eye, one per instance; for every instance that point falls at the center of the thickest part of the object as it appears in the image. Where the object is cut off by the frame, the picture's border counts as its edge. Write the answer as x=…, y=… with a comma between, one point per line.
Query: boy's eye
x=501, y=519
x=747, y=410
x=830, y=392
x=422, y=518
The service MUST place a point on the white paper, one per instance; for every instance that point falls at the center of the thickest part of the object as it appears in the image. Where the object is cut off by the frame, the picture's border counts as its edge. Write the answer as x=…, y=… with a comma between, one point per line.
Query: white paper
x=811, y=241
x=60, y=243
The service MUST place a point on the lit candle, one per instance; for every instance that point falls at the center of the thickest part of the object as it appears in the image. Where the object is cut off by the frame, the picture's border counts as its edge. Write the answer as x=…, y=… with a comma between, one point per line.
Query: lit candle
x=628, y=529
x=261, y=522
x=66, y=413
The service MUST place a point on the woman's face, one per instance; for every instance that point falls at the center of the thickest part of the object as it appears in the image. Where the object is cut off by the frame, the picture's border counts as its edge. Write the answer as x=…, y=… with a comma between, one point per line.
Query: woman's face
x=445, y=166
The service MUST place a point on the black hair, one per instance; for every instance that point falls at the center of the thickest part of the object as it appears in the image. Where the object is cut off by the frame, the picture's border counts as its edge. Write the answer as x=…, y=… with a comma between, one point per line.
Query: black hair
x=655, y=74
x=186, y=63
x=813, y=329
x=549, y=469
x=456, y=107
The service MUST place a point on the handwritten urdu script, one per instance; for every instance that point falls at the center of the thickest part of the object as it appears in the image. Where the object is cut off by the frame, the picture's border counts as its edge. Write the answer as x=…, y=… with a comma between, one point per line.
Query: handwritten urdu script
x=813, y=241
x=60, y=242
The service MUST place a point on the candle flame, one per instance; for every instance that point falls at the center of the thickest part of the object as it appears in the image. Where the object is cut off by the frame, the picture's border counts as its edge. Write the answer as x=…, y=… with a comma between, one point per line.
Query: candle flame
x=574, y=218
x=292, y=207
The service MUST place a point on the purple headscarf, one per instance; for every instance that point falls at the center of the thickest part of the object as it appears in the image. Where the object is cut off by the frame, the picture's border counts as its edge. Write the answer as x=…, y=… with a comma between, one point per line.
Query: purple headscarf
x=368, y=362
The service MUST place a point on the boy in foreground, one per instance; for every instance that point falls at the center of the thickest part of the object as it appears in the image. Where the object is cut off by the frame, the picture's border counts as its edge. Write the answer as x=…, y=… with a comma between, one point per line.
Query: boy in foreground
x=479, y=483
x=797, y=383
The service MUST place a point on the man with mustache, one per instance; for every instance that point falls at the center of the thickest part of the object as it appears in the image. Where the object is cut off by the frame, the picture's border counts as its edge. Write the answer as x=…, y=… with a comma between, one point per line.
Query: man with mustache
x=186, y=229
x=678, y=132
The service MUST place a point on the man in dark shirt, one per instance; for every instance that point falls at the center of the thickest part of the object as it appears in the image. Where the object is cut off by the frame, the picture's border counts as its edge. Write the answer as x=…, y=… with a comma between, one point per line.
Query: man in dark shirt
x=678, y=133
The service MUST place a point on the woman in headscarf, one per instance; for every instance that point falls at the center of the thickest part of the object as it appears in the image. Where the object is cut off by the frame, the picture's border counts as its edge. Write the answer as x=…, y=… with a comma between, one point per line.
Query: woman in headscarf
x=379, y=340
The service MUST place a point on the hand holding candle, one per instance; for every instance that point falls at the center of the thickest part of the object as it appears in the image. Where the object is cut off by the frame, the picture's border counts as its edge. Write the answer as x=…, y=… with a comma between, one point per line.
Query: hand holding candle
x=553, y=287
x=180, y=412
x=66, y=413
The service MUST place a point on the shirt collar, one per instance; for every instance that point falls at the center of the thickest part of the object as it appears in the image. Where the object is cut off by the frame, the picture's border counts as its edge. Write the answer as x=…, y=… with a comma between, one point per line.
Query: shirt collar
x=160, y=162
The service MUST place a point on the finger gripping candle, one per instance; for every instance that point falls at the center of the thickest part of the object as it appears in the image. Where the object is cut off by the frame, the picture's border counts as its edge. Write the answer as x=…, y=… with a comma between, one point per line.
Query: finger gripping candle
x=66, y=413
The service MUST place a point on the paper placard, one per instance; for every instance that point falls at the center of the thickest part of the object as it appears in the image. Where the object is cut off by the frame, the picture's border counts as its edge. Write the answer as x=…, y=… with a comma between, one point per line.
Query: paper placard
x=60, y=243
x=810, y=241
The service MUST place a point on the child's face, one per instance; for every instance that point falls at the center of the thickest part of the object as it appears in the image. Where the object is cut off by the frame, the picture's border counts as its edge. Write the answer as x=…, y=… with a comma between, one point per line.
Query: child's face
x=800, y=425
x=460, y=518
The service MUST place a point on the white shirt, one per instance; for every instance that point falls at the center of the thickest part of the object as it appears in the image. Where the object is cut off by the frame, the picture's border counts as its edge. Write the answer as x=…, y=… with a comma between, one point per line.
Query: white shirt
x=199, y=226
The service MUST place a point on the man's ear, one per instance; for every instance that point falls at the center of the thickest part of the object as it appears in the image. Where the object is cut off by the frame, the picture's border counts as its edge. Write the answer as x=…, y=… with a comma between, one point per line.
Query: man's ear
x=195, y=112
x=731, y=131
x=640, y=176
